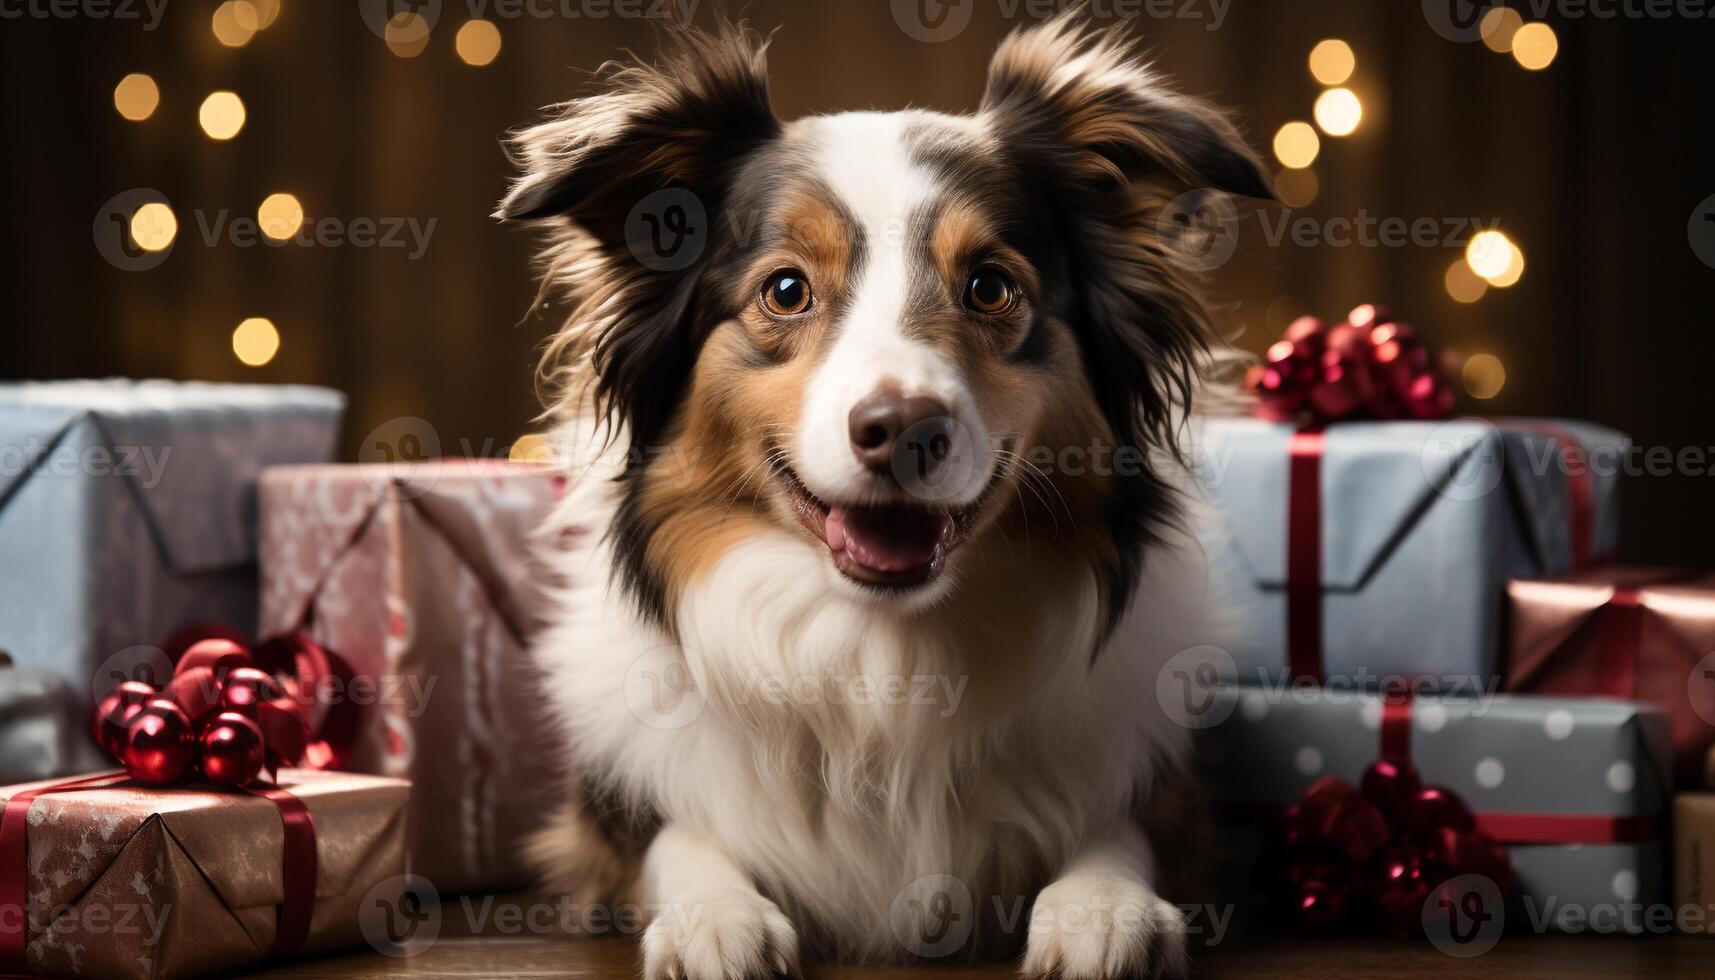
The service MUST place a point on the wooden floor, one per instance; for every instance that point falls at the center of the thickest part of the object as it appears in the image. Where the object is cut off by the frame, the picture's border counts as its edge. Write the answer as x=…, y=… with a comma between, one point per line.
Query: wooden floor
x=1515, y=958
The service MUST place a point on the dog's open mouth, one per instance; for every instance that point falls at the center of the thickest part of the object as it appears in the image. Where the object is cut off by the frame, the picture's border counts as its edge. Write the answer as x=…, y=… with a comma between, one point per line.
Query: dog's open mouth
x=890, y=546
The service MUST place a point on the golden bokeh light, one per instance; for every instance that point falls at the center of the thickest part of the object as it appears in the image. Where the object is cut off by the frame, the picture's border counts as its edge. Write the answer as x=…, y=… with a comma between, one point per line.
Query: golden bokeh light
x=221, y=115
x=280, y=216
x=265, y=12
x=1498, y=27
x=1490, y=253
x=1513, y=272
x=1464, y=285
x=1332, y=61
x=1535, y=45
x=136, y=96
x=407, y=34
x=1297, y=188
x=1484, y=375
x=234, y=23
x=1296, y=145
x=531, y=448
x=256, y=341
x=477, y=43
x=153, y=227
x=1338, y=111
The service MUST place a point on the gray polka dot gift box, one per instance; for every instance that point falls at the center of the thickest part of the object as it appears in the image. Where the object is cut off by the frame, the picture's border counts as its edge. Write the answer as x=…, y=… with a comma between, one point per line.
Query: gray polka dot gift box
x=1577, y=791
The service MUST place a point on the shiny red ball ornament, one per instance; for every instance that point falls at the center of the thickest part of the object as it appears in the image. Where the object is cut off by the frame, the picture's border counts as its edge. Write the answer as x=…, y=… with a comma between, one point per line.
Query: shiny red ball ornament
x=1306, y=330
x=1321, y=904
x=1435, y=808
x=1390, y=786
x=245, y=688
x=232, y=750
x=158, y=747
x=1399, y=908
x=115, y=711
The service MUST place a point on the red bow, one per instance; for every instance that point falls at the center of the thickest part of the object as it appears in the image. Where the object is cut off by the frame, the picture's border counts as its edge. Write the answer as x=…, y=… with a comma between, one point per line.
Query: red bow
x=227, y=712
x=1383, y=850
x=1370, y=367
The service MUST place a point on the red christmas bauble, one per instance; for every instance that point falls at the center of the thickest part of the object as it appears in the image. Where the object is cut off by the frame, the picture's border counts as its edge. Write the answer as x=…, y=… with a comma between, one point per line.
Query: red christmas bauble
x=1307, y=330
x=1435, y=808
x=115, y=711
x=231, y=750
x=1390, y=786
x=245, y=688
x=157, y=743
x=1321, y=904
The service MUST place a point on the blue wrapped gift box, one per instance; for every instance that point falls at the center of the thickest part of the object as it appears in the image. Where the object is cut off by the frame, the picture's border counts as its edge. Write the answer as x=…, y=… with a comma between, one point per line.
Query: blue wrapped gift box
x=128, y=510
x=1418, y=527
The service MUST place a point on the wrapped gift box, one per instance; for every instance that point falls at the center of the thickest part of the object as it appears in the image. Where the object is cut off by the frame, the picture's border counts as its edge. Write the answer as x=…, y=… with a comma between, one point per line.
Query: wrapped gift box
x=421, y=577
x=1694, y=861
x=37, y=718
x=1576, y=789
x=1382, y=549
x=1622, y=632
x=124, y=881
x=133, y=506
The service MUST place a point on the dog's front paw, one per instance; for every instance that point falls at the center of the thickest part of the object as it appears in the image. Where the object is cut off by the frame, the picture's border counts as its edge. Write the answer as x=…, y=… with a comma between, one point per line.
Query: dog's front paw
x=1103, y=926
x=736, y=935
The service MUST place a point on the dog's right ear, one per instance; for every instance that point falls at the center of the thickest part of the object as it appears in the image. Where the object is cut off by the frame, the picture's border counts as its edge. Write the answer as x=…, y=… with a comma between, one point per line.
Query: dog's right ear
x=682, y=122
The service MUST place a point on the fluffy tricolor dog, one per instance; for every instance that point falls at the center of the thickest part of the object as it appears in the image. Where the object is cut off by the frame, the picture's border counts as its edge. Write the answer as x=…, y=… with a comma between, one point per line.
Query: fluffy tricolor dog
x=906, y=409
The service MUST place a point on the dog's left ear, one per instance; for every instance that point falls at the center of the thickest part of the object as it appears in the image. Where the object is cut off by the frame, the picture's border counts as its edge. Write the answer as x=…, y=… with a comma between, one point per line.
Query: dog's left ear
x=1062, y=96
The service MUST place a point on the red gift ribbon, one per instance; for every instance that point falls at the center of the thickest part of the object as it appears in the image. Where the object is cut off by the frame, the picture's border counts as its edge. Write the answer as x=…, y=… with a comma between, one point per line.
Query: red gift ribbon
x=297, y=867
x=1304, y=556
x=1581, y=485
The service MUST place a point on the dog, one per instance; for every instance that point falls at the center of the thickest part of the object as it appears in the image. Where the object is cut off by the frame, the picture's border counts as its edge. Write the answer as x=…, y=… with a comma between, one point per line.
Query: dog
x=879, y=421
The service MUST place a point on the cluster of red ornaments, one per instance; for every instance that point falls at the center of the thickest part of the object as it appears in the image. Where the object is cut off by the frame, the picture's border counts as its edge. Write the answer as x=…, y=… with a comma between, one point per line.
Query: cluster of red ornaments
x=1380, y=852
x=1369, y=367
x=219, y=718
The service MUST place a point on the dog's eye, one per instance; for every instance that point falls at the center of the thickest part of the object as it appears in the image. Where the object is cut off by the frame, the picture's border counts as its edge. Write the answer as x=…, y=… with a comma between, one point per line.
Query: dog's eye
x=991, y=291
x=786, y=293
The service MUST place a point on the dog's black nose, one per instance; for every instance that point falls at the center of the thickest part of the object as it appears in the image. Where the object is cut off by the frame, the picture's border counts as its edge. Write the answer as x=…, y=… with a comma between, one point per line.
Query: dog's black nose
x=888, y=423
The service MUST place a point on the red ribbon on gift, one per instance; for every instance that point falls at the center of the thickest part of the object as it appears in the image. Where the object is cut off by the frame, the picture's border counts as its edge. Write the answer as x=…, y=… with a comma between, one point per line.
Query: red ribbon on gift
x=297, y=867
x=1371, y=367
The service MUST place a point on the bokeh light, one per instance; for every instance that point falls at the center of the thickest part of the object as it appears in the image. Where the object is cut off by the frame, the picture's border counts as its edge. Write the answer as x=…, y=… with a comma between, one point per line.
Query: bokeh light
x=1484, y=376
x=1498, y=27
x=1464, y=285
x=1332, y=61
x=531, y=448
x=1513, y=272
x=136, y=96
x=407, y=34
x=235, y=23
x=153, y=227
x=1338, y=112
x=1535, y=45
x=280, y=216
x=221, y=115
x=477, y=43
x=256, y=341
x=266, y=12
x=1490, y=253
x=1296, y=145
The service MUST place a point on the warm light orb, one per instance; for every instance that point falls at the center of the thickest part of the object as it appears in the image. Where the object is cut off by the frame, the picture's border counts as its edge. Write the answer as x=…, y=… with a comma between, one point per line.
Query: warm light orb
x=221, y=115
x=235, y=23
x=1296, y=145
x=280, y=216
x=256, y=341
x=1297, y=188
x=1498, y=27
x=1490, y=253
x=1513, y=272
x=477, y=43
x=1332, y=61
x=153, y=227
x=531, y=448
x=1338, y=111
x=1484, y=375
x=407, y=34
x=1464, y=285
x=136, y=96
x=266, y=12
x=1535, y=45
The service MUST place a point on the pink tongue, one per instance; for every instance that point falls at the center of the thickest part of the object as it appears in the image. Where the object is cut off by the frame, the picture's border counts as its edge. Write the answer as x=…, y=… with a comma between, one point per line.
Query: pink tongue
x=887, y=539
